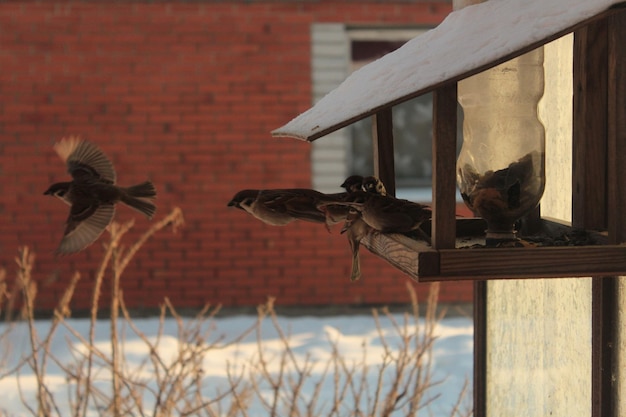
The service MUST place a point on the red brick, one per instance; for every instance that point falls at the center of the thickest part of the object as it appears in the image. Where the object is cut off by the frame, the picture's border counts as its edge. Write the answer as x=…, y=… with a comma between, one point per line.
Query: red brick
x=185, y=94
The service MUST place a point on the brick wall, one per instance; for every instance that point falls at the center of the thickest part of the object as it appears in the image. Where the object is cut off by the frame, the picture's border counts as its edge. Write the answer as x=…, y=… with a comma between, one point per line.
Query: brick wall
x=183, y=93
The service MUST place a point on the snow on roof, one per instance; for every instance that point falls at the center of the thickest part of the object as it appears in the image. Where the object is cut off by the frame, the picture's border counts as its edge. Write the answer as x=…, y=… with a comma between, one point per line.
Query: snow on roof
x=467, y=41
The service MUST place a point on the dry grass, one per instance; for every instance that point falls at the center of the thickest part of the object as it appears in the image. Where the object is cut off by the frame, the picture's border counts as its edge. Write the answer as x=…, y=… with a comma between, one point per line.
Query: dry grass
x=101, y=381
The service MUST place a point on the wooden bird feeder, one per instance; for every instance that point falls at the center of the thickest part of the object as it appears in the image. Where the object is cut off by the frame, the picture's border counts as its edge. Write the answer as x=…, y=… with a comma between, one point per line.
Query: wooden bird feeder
x=459, y=48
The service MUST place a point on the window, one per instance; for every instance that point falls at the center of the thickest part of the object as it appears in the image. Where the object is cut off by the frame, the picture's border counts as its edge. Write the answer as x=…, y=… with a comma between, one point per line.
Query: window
x=337, y=51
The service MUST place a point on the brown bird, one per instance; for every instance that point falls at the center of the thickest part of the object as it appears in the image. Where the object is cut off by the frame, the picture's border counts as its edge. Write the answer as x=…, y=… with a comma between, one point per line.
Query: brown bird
x=388, y=214
x=92, y=194
x=356, y=229
x=353, y=183
x=384, y=213
x=373, y=185
x=336, y=214
x=278, y=207
x=373, y=210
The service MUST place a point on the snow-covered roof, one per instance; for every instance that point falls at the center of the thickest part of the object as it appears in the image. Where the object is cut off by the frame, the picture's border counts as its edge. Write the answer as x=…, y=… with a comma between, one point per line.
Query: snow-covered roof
x=468, y=41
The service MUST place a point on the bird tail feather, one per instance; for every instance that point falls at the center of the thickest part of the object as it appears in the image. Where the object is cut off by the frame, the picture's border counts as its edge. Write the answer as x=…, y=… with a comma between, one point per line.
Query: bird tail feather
x=145, y=189
x=139, y=197
x=355, y=274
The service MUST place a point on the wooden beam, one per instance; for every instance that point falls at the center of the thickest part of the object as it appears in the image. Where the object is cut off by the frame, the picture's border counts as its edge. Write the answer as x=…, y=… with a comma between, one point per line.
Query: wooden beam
x=410, y=256
x=603, y=314
x=425, y=264
x=517, y=263
x=599, y=179
x=606, y=378
x=384, y=166
x=480, y=349
x=443, y=233
x=617, y=128
x=589, y=186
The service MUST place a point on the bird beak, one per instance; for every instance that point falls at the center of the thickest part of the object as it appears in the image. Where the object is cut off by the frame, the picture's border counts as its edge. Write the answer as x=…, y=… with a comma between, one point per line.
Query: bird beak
x=232, y=203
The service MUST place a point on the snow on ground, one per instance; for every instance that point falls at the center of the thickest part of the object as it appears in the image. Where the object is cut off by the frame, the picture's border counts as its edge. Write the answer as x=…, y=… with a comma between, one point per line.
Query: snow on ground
x=308, y=336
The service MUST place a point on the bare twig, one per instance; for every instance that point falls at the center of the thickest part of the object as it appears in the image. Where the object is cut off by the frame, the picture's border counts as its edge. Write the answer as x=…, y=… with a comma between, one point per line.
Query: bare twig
x=284, y=383
x=25, y=262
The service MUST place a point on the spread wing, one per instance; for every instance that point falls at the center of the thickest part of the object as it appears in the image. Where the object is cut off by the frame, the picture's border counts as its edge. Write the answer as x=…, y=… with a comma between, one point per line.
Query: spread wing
x=84, y=159
x=84, y=225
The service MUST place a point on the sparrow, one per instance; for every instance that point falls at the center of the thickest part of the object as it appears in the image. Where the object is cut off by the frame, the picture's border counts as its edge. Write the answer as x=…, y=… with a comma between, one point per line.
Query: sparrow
x=353, y=183
x=92, y=194
x=355, y=228
x=370, y=211
x=334, y=213
x=278, y=207
x=373, y=185
x=387, y=214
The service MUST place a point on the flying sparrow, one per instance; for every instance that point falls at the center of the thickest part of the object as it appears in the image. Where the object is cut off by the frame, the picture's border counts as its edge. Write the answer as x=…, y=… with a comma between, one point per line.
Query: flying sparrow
x=92, y=194
x=278, y=207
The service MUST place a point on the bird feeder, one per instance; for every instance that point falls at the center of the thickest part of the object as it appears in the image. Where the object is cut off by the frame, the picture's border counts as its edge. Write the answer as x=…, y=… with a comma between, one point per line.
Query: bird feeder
x=501, y=168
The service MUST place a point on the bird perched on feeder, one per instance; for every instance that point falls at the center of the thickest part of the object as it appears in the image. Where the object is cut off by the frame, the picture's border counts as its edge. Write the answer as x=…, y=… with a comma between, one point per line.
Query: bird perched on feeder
x=92, y=194
x=334, y=213
x=388, y=214
x=356, y=229
x=384, y=213
x=372, y=210
x=373, y=185
x=278, y=207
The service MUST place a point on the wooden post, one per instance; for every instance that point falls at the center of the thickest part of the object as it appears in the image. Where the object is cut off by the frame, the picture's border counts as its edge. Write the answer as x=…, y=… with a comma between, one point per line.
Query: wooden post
x=612, y=381
x=384, y=167
x=480, y=315
x=595, y=117
x=589, y=127
x=443, y=229
x=617, y=128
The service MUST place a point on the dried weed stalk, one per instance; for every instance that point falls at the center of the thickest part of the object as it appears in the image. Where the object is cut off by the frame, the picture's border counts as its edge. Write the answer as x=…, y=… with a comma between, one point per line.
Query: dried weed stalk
x=402, y=381
x=283, y=383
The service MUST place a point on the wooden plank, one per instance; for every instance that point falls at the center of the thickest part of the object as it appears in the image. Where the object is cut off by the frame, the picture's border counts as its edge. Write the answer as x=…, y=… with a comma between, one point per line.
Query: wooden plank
x=499, y=263
x=384, y=165
x=589, y=185
x=541, y=262
x=424, y=264
x=408, y=255
x=443, y=233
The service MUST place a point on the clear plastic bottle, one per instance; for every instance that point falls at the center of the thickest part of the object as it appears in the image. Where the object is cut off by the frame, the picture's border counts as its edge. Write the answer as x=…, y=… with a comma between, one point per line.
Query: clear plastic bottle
x=501, y=166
